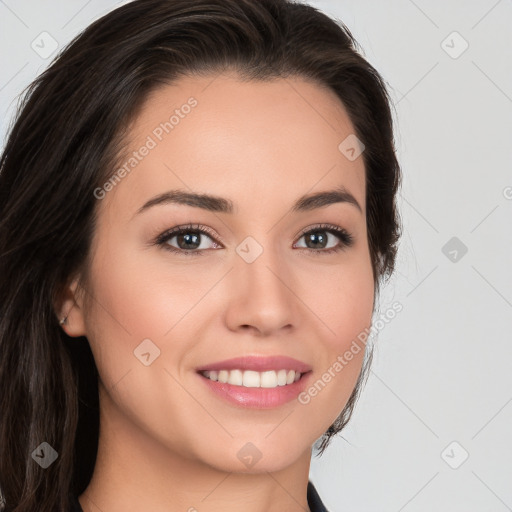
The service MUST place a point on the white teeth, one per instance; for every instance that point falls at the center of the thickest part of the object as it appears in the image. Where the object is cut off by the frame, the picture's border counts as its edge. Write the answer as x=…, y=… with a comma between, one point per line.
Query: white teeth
x=252, y=379
x=236, y=377
x=268, y=379
x=281, y=377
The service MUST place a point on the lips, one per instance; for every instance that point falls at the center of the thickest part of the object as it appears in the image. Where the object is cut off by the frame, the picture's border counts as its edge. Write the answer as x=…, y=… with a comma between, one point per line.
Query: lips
x=257, y=397
x=258, y=382
x=257, y=364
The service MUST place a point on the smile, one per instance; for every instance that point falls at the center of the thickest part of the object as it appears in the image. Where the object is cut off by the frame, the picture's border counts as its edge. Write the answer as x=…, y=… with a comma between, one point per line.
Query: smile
x=254, y=379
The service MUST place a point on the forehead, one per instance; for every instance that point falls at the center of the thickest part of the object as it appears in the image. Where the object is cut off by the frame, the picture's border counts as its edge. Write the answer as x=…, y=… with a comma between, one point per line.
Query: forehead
x=256, y=142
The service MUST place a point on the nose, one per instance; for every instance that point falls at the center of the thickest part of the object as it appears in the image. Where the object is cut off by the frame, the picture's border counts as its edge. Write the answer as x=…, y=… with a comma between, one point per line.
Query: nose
x=262, y=295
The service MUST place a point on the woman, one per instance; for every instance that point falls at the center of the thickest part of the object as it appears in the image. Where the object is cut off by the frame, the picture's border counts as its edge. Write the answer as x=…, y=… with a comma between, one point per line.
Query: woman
x=197, y=210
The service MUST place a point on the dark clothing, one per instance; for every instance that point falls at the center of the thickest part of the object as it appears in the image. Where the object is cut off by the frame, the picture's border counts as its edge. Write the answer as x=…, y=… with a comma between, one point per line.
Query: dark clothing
x=314, y=502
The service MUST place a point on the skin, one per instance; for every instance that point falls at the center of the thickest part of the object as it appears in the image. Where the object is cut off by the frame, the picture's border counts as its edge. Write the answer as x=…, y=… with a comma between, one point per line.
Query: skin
x=167, y=443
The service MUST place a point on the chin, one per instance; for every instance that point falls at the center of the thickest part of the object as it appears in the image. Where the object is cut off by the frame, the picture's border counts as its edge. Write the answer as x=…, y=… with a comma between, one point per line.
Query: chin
x=255, y=454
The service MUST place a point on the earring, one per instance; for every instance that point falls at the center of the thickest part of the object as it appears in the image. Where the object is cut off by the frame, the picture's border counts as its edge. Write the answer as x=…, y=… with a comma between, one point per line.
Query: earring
x=63, y=321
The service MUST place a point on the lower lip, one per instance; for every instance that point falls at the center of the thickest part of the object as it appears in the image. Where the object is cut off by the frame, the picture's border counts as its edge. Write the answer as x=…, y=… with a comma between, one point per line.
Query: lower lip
x=257, y=398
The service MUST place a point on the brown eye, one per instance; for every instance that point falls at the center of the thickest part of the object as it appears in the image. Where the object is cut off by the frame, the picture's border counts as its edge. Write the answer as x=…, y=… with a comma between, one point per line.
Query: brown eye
x=190, y=240
x=318, y=238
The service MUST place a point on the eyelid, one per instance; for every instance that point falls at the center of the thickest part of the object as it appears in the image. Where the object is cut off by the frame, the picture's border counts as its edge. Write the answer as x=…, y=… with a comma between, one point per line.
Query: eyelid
x=345, y=238
x=189, y=227
x=319, y=227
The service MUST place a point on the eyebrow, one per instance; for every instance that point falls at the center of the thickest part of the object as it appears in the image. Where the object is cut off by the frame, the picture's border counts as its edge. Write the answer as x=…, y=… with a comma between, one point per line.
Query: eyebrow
x=218, y=204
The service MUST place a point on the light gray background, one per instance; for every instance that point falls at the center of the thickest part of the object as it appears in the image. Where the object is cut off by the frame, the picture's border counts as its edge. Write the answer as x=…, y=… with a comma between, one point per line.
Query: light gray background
x=442, y=366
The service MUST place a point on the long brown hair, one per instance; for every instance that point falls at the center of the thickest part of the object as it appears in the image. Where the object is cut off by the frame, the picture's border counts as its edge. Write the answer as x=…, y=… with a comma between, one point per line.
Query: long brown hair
x=63, y=146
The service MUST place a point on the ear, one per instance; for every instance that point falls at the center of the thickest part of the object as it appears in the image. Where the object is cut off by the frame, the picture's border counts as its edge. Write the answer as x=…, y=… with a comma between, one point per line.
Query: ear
x=70, y=305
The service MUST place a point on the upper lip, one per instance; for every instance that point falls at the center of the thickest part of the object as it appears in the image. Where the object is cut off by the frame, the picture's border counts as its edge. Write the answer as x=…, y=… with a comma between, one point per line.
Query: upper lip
x=258, y=364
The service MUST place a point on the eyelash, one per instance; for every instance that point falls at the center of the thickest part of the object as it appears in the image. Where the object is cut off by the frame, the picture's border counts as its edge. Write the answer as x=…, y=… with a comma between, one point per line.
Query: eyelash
x=346, y=239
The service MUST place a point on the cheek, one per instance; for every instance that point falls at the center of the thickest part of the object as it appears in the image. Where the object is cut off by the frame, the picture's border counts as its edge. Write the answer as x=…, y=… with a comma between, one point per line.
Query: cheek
x=126, y=305
x=345, y=306
x=137, y=295
x=347, y=312
x=345, y=303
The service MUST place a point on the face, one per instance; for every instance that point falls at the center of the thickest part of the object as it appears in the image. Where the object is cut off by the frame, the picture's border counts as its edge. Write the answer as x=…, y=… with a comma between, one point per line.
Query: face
x=258, y=274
